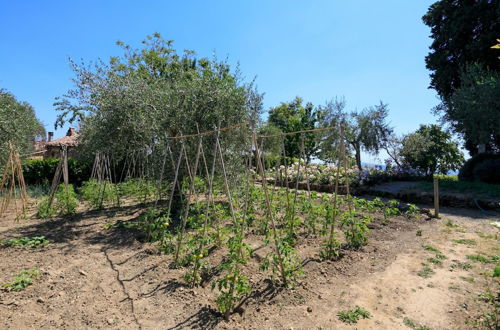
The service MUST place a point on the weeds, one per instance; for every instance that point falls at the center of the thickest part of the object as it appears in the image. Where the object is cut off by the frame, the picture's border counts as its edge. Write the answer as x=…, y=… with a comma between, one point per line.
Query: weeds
x=354, y=315
x=468, y=242
x=22, y=280
x=414, y=325
x=426, y=271
x=27, y=241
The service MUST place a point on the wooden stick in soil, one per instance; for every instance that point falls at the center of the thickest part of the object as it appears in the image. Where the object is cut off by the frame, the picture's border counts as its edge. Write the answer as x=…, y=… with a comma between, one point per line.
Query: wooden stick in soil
x=335, y=202
x=191, y=192
x=269, y=211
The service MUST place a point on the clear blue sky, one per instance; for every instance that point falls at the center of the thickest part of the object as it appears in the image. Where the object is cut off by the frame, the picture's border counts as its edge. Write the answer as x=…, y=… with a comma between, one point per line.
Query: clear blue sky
x=364, y=50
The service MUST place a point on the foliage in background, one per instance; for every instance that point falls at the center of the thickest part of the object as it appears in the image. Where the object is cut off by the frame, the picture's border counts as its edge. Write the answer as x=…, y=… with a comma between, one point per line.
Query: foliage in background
x=18, y=123
x=64, y=203
x=474, y=108
x=431, y=150
x=463, y=33
x=292, y=117
x=483, y=167
x=41, y=171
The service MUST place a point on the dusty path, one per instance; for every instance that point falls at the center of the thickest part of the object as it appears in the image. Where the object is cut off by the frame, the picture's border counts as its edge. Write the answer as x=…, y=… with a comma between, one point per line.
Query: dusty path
x=98, y=278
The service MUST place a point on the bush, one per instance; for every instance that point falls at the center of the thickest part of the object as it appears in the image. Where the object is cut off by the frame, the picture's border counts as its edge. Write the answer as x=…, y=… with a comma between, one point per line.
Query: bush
x=98, y=194
x=488, y=171
x=64, y=203
x=41, y=171
x=482, y=167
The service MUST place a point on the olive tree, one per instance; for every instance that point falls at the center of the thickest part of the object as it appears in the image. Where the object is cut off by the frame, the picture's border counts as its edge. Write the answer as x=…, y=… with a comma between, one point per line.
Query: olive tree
x=18, y=124
x=135, y=101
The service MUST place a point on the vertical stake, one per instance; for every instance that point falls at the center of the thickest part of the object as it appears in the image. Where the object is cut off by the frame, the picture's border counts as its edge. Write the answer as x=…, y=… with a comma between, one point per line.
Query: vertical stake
x=436, y=197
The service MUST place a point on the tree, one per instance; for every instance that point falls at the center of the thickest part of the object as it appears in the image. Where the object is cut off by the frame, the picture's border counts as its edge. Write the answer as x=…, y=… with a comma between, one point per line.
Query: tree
x=475, y=107
x=291, y=117
x=463, y=33
x=431, y=150
x=18, y=124
x=368, y=131
x=136, y=100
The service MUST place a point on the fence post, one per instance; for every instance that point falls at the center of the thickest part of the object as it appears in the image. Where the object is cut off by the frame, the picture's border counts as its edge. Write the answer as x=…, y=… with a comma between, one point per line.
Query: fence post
x=436, y=197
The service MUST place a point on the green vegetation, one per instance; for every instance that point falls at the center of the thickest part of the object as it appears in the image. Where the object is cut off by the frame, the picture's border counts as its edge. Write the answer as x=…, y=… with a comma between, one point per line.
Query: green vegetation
x=484, y=259
x=27, y=241
x=469, y=242
x=426, y=271
x=414, y=325
x=18, y=124
x=64, y=203
x=431, y=150
x=450, y=184
x=22, y=280
x=353, y=315
x=430, y=248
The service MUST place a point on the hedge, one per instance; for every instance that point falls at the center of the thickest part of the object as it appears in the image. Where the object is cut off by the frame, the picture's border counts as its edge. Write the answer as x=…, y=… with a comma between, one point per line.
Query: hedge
x=41, y=171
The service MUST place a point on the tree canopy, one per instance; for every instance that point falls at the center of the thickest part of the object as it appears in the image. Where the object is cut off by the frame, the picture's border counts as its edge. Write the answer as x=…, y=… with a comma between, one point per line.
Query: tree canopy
x=463, y=34
x=431, y=150
x=153, y=92
x=18, y=124
x=291, y=117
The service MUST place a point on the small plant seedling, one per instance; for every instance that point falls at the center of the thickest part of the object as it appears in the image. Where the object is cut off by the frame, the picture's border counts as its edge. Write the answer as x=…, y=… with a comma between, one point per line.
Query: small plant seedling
x=27, y=241
x=440, y=256
x=430, y=248
x=469, y=242
x=419, y=232
x=464, y=266
x=467, y=279
x=426, y=271
x=496, y=271
x=450, y=224
x=22, y=280
x=434, y=261
x=353, y=315
x=414, y=325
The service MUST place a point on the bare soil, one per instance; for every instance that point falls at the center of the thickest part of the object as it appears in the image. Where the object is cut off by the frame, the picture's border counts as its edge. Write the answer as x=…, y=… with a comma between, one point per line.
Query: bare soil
x=106, y=278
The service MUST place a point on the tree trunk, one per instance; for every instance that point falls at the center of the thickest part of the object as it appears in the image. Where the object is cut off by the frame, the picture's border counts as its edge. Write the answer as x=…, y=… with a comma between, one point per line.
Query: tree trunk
x=357, y=149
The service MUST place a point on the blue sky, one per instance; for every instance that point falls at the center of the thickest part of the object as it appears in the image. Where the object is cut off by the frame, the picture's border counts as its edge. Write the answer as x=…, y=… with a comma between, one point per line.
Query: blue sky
x=364, y=50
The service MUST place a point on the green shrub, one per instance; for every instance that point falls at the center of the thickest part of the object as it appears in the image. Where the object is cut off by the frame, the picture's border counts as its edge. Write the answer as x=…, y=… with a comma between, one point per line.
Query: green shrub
x=97, y=194
x=482, y=167
x=64, y=203
x=41, y=171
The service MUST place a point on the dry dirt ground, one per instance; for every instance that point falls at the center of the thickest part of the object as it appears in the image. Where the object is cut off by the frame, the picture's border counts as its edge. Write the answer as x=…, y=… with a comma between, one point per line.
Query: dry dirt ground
x=92, y=277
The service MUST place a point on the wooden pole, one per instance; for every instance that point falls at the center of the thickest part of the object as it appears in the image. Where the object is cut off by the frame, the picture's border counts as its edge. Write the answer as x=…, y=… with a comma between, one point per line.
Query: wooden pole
x=436, y=197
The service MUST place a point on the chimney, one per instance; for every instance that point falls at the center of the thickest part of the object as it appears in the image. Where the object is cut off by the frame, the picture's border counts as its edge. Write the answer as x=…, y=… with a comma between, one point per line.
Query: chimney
x=71, y=132
x=50, y=136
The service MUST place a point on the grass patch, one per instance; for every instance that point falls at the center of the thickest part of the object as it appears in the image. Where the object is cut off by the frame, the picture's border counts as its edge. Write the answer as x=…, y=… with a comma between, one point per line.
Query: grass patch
x=22, y=280
x=461, y=265
x=451, y=184
x=430, y=248
x=484, y=259
x=467, y=279
x=426, y=271
x=27, y=241
x=353, y=315
x=435, y=261
x=469, y=242
x=414, y=325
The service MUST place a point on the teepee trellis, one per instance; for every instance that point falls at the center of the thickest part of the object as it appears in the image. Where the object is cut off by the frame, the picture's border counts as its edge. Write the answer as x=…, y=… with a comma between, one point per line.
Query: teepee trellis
x=12, y=181
x=61, y=171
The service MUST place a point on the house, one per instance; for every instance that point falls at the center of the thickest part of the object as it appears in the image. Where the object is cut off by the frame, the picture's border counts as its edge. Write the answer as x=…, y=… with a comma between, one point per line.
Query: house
x=53, y=148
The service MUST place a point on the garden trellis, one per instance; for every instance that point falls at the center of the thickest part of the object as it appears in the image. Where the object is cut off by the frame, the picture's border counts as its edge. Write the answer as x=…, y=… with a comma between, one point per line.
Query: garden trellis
x=12, y=184
x=219, y=190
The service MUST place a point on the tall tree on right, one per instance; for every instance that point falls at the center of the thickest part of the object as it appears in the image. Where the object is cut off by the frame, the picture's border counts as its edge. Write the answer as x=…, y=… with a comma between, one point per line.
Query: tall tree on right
x=464, y=33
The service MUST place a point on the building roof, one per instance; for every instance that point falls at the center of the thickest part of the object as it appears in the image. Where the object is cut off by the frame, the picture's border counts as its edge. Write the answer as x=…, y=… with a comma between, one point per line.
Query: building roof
x=70, y=140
